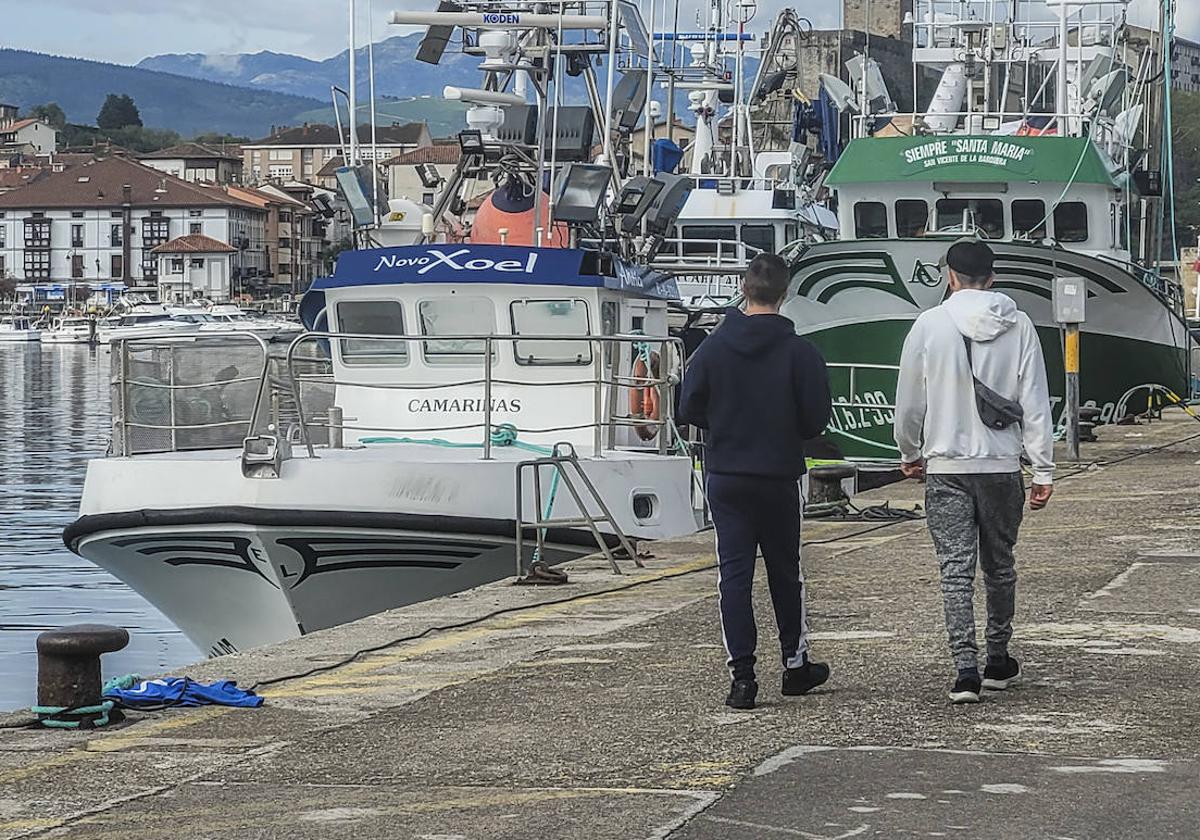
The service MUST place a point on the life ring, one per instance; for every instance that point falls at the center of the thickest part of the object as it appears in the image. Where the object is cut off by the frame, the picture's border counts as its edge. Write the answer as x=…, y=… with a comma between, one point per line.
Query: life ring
x=643, y=398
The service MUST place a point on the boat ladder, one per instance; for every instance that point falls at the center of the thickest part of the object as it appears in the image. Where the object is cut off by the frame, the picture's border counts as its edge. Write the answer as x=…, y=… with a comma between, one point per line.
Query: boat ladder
x=567, y=472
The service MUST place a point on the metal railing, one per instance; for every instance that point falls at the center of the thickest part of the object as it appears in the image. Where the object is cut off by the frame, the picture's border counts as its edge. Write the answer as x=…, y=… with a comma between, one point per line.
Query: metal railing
x=686, y=254
x=176, y=393
x=609, y=356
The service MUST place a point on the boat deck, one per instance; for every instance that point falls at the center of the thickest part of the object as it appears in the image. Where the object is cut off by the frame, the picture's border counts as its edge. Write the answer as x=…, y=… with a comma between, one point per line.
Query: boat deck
x=594, y=710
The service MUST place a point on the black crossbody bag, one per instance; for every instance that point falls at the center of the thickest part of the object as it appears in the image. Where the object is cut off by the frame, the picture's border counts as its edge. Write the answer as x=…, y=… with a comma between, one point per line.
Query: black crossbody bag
x=995, y=411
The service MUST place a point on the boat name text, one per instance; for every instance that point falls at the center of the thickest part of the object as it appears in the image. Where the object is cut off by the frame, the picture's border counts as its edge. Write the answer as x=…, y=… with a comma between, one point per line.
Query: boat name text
x=435, y=258
x=966, y=150
x=418, y=406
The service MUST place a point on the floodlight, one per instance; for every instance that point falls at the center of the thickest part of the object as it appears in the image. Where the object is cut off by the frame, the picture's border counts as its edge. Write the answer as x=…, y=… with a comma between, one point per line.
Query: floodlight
x=840, y=93
x=471, y=141
x=668, y=203
x=580, y=192
x=430, y=177
x=635, y=27
x=356, y=191
x=629, y=100
x=635, y=199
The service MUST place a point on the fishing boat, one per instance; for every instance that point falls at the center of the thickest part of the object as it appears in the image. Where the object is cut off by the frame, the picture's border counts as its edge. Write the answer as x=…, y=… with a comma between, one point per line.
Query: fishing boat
x=18, y=329
x=489, y=398
x=1029, y=142
x=144, y=320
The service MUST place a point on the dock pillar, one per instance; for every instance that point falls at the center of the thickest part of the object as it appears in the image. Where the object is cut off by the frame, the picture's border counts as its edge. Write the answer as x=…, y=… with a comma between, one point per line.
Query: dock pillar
x=825, y=484
x=1071, y=359
x=69, y=665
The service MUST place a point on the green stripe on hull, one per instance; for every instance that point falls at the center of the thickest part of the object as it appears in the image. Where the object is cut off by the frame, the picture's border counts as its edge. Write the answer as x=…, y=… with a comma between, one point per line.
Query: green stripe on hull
x=862, y=423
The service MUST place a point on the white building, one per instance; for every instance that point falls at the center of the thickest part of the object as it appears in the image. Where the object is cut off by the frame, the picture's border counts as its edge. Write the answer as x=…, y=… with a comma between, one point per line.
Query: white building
x=101, y=221
x=301, y=153
x=197, y=162
x=194, y=266
x=28, y=136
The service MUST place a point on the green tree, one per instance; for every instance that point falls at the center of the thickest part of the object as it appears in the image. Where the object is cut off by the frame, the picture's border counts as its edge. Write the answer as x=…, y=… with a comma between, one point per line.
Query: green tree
x=118, y=111
x=50, y=113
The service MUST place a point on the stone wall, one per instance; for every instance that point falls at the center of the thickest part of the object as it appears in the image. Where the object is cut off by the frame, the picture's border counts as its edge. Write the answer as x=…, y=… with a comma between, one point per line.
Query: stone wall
x=886, y=17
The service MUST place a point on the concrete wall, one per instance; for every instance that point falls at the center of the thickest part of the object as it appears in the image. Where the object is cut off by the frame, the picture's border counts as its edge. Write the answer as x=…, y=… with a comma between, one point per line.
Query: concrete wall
x=886, y=16
x=827, y=51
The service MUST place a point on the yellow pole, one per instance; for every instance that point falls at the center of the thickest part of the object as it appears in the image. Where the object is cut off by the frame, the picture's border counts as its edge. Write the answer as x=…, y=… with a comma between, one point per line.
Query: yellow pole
x=1071, y=363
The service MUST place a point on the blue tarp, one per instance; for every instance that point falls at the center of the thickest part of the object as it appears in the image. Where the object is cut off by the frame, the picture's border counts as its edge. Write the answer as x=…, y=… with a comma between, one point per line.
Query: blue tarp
x=181, y=691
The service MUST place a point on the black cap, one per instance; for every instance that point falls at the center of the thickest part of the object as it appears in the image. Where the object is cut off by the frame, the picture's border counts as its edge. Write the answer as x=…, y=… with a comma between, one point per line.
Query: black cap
x=971, y=259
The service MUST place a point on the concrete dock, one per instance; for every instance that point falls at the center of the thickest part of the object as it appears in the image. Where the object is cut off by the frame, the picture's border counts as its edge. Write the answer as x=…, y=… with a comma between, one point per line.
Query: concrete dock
x=595, y=710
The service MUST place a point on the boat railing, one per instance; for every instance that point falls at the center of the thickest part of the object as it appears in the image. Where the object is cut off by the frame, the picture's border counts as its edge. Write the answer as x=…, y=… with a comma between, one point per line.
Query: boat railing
x=177, y=393
x=312, y=393
x=707, y=256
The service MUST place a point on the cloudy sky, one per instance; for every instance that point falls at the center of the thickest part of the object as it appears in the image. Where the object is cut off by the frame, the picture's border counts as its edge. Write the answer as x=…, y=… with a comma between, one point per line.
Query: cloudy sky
x=126, y=31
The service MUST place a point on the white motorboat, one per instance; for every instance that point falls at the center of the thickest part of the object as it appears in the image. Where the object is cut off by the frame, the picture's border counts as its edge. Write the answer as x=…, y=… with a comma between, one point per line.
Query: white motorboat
x=233, y=318
x=18, y=329
x=416, y=493
x=142, y=321
x=71, y=329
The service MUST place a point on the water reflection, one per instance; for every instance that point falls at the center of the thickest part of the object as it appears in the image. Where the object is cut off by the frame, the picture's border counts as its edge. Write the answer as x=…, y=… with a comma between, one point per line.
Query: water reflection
x=54, y=416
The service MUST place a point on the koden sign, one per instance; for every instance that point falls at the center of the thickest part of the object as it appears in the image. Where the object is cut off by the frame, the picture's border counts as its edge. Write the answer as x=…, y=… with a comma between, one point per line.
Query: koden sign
x=456, y=261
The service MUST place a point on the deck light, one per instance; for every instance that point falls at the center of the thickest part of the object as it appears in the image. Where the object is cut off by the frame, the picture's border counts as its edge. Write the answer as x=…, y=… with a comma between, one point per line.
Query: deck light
x=430, y=177
x=581, y=190
x=471, y=142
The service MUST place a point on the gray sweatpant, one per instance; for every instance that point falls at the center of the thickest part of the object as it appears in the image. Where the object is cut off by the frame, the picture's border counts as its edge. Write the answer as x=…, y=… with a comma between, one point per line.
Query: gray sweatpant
x=976, y=517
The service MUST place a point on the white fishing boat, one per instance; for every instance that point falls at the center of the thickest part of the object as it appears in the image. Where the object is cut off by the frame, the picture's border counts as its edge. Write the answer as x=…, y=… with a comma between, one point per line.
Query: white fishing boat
x=223, y=318
x=18, y=329
x=141, y=321
x=457, y=409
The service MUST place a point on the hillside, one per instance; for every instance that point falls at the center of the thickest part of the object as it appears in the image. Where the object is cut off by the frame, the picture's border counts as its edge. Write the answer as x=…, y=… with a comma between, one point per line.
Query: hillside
x=397, y=72
x=187, y=105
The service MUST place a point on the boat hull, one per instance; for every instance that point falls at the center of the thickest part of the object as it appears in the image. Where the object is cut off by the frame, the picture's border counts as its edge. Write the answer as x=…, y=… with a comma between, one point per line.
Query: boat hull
x=857, y=301
x=20, y=336
x=238, y=582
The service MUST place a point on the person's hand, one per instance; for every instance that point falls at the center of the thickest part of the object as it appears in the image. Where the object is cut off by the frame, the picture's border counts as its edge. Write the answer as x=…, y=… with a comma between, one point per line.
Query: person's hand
x=1039, y=495
x=914, y=470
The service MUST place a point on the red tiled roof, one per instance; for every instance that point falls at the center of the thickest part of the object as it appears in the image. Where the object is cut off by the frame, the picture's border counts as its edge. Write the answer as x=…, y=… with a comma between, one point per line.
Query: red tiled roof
x=193, y=243
x=447, y=153
x=100, y=183
x=319, y=134
x=11, y=179
x=192, y=150
x=18, y=125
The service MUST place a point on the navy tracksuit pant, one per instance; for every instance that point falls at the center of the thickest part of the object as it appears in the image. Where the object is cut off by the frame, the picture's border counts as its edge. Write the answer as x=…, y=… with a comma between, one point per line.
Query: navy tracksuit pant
x=752, y=513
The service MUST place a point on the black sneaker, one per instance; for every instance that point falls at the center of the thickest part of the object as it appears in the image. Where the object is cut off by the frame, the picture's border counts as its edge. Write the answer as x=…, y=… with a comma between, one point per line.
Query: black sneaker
x=1000, y=676
x=805, y=678
x=742, y=694
x=966, y=688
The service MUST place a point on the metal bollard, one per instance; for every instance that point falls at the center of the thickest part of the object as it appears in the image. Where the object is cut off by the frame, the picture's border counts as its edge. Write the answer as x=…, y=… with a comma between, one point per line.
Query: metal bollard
x=337, y=435
x=69, y=664
x=825, y=483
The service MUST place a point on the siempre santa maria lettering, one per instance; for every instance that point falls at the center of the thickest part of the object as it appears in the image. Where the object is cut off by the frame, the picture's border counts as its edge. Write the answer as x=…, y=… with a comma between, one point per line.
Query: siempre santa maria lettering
x=463, y=404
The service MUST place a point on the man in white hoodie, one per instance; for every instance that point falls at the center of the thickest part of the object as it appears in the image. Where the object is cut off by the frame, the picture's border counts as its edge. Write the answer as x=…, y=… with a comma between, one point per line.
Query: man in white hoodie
x=974, y=495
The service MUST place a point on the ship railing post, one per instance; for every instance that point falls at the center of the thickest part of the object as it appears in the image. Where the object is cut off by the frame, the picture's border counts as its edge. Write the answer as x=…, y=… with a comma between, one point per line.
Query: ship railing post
x=602, y=417
x=487, y=398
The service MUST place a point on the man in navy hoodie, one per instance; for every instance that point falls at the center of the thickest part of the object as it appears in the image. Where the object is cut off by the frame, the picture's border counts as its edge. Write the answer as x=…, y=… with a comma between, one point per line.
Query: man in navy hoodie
x=760, y=391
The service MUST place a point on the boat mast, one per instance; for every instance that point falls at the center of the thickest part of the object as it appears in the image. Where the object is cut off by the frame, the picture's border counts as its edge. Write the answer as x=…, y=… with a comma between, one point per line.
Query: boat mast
x=353, y=96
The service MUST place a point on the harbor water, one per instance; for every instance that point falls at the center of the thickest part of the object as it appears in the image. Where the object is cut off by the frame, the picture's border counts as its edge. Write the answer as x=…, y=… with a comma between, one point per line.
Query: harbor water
x=54, y=416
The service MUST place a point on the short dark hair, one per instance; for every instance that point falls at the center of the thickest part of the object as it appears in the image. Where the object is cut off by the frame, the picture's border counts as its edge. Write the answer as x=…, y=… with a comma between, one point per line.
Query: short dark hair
x=766, y=279
x=972, y=262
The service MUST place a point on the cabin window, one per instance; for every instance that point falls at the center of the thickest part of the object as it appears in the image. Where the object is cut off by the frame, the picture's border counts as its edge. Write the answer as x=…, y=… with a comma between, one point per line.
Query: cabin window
x=706, y=239
x=551, y=317
x=372, y=317
x=912, y=217
x=968, y=215
x=456, y=316
x=759, y=237
x=1071, y=222
x=1029, y=218
x=870, y=220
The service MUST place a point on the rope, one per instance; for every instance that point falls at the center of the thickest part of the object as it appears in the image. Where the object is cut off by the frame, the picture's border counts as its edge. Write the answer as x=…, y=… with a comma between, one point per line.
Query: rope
x=54, y=717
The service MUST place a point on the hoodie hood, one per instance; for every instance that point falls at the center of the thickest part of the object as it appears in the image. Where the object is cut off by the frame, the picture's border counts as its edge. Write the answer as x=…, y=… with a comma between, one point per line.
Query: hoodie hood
x=981, y=315
x=753, y=335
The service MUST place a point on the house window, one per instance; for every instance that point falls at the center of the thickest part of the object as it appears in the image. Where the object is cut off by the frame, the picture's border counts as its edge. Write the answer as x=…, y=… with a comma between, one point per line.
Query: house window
x=76, y=214
x=76, y=236
x=195, y=214
x=427, y=198
x=3, y=265
x=117, y=267
x=1029, y=218
x=1071, y=222
x=195, y=227
x=280, y=154
x=116, y=214
x=912, y=217
x=456, y=316
x=155, y=231
x=870, y=220
x=37, y=265
x=551, y=317
x=175, y=265
x=114, y=236
x=197, y=262
x=37, y=232
x=372, y=317
x=76, y=266
x=3, y=236
x=280, y=171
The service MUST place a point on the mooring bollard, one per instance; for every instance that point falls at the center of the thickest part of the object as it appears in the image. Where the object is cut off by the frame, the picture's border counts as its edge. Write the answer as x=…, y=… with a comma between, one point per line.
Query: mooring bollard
x=825, y=483
x=69, y=681
x=1089, y=417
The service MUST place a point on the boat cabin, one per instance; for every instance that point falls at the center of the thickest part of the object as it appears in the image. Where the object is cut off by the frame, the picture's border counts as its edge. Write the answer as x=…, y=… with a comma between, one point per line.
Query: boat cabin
x=1041, y=189
x=441, y=341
